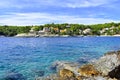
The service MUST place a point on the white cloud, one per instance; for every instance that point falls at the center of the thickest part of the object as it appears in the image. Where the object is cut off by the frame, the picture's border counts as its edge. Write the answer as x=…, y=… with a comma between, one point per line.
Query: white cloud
x=73, y=3
x=88, y=3
x=58, y=3
x=43, y=18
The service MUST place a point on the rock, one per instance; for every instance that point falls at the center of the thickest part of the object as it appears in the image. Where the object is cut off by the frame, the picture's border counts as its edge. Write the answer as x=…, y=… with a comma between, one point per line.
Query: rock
x=102, y=69
x=39, y=72
x=107, y=63
x=115, y=73
x=14, y=76
x=58, y=65
x=110, y=53
x=118, y=55
x=50, y=77
x=88, y=70
x=100, y=78
x=83, y=60
x=113, y=52
x=111, y=79
x=78, y=78
x=64, y=73
x=54, y=66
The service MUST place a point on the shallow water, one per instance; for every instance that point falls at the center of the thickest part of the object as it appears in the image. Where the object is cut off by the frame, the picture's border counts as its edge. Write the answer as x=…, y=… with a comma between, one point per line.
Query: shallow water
x=29, y=55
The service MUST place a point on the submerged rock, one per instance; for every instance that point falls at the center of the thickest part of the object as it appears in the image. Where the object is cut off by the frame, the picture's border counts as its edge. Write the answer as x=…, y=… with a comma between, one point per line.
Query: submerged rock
x=14, y=76
x=39, y=72
x=83, y=60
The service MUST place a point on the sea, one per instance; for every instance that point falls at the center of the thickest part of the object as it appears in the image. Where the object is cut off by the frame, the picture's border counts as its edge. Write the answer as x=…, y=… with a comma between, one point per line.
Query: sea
x=33, y=57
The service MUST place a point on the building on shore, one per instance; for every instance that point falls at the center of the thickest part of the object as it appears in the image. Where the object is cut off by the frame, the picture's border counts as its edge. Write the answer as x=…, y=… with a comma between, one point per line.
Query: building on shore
x=87, y=31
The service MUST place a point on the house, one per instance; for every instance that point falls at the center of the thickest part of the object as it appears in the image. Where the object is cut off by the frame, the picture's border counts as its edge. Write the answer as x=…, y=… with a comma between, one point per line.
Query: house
x=41, y=32
x=63, y=31
x=68, y=26
x=104, y=30
x=55, y=29
x=112, y=27
x=87, y=31
x=46, y=29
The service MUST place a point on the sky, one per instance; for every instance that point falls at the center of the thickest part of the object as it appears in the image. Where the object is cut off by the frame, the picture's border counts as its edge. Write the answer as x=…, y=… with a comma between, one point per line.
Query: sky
x=37, y=12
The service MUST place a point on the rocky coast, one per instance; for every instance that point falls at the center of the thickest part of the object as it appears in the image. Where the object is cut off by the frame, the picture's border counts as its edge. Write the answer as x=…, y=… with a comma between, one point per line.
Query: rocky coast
x=106, y=67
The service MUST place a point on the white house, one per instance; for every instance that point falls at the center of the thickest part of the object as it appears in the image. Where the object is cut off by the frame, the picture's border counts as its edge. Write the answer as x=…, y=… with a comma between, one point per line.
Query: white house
x=87, y=31
x=46, y=29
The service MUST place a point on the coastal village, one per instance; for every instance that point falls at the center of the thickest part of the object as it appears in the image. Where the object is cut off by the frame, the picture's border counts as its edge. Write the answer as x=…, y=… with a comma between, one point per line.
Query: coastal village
x=54, y=32
x=62, y=30
x=47, y=31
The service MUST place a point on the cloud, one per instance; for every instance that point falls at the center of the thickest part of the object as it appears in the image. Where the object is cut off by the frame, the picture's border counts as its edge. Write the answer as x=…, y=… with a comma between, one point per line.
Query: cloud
x=57, y=11
x=44, y=18
x=87, y=3
x=56, y=3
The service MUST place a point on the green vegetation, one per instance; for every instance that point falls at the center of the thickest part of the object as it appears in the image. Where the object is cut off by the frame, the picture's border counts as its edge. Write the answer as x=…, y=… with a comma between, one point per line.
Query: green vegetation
x=64, y=29
x=37, y=28
x=13, y=30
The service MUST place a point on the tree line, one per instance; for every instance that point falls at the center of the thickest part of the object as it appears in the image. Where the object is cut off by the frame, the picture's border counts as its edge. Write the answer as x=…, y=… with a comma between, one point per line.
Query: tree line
x=71, y=29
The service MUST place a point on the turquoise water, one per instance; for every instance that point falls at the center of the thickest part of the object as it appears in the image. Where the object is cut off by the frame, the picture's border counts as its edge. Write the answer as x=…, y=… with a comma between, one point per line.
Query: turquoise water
x=28, y=55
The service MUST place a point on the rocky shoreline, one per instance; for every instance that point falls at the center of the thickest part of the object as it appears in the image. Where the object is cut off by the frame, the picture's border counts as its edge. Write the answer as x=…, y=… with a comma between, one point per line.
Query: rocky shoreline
x=105, y=68
x=27, y=35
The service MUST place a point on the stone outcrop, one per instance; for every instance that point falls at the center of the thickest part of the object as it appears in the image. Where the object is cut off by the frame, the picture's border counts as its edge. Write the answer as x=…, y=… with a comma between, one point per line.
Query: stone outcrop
x=105, y=68
x=88, y=70
x=64, y=73
x=115, y=73
x=72, y=66
x=108, y=62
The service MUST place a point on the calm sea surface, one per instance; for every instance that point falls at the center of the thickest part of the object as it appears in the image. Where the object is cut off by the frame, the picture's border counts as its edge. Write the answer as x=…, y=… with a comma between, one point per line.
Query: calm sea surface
x=29, y=55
